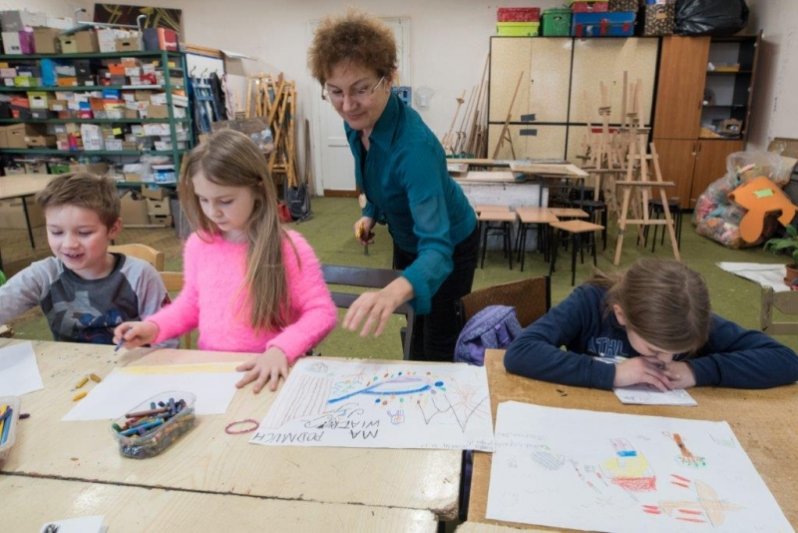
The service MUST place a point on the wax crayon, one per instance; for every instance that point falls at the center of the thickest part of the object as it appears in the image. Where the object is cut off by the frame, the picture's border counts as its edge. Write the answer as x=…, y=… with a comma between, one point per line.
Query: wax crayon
x=95, y=378
x=79, y=396
x=82, y=382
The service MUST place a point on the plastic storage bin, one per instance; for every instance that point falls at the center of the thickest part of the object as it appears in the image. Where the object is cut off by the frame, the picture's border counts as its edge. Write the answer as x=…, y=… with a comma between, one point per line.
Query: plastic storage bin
x=624, y=5
x=8, y=435
x=518, y=29
x=518, y=14
x=153, y=425
x=619, y=24
x=659, y=19
x=557, y=22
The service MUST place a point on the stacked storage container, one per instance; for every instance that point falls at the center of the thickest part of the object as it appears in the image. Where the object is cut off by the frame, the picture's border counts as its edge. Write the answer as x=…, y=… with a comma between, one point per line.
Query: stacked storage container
x=518, y=21
x=595, y=19
x=557, y=22
x=659, y=17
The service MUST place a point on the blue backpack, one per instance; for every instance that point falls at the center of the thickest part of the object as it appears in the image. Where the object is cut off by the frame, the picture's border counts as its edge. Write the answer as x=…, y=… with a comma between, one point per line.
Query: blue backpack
x=495, y=326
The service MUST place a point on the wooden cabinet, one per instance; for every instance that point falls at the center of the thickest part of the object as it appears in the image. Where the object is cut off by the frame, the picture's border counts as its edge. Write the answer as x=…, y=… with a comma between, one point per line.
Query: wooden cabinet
x=560, y=90
x=693, y=164
x=702, y=109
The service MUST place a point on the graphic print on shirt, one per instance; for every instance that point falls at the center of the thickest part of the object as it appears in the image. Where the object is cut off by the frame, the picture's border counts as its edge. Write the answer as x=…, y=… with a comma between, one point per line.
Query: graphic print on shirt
x=606, y=347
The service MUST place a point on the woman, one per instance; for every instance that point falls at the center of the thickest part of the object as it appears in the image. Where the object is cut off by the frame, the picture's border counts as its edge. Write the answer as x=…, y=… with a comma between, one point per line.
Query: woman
x=401, y=168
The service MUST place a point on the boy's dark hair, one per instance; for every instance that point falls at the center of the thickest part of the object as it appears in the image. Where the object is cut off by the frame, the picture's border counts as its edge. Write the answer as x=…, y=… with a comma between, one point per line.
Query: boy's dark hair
x=85, y=190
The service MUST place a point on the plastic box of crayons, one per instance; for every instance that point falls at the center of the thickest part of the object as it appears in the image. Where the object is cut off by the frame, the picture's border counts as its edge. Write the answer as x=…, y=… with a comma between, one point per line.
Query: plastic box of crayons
x=152, y=426
x=9, y=415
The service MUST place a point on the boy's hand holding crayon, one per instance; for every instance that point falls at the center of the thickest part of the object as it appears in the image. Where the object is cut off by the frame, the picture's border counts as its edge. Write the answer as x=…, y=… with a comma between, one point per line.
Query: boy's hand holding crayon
x=135, y=334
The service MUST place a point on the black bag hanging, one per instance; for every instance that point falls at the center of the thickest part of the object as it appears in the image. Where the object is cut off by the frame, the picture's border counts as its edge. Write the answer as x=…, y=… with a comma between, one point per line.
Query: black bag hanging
x=298, y=201
x=710, y=17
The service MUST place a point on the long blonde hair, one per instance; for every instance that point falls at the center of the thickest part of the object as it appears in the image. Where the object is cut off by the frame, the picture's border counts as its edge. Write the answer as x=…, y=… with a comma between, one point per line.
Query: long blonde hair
x=232, y=159
x=663, y=301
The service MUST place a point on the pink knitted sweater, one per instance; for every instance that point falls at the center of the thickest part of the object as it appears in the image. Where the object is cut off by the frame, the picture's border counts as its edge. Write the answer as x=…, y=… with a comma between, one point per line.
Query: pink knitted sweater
x=214, y=302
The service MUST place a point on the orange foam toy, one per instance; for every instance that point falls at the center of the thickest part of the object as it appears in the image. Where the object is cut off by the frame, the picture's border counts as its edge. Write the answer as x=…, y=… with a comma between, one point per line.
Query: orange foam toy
x=761, y=197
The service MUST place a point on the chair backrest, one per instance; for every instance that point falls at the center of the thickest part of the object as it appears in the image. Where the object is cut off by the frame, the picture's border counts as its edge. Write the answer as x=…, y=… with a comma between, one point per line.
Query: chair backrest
x=141, y=251
x=372, y=278
x=784, y=302
x=531, y=298
x=173, y=281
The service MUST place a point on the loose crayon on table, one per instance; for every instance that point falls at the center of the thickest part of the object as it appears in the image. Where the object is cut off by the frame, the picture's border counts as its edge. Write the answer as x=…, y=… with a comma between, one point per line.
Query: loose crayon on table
x=7, y=419
x=95, y=378
x=79, y=396
x=82, y=382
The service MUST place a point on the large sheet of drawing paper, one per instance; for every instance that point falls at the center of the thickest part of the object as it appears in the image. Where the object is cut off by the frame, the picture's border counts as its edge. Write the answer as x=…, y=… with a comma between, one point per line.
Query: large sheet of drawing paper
x=213, y=384
x=624, y=473
x=352, y=403
x=19, y=372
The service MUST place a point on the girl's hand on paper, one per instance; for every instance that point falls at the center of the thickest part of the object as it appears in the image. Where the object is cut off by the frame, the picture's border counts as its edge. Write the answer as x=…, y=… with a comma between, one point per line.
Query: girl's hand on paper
x=135, y=334
x=262, y=369
x=638, y=370
x=680, y=375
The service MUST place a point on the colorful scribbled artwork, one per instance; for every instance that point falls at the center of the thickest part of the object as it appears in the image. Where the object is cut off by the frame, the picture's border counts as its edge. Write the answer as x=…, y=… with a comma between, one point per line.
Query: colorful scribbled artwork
x=599, y=471
x=329, y=402
x=157, y=17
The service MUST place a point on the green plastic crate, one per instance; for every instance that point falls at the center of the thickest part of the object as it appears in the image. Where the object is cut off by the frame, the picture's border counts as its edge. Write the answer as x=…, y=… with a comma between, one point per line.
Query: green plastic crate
x=557, y=22
x=518, y=29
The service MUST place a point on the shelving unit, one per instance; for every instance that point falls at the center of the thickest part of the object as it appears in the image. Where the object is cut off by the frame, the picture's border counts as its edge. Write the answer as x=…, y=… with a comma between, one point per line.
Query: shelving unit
x=104, y=99
x=693, y=98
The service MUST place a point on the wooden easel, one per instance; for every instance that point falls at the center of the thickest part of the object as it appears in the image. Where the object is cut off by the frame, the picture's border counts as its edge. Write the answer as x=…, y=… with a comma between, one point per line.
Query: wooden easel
x=505, y=133
x=642, y=187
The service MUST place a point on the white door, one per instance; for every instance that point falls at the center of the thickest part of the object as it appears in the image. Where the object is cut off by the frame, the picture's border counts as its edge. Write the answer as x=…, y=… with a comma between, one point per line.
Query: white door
x=334, y=166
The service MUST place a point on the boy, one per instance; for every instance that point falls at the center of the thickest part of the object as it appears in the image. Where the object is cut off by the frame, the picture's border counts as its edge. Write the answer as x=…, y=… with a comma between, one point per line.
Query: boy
x=84, y=291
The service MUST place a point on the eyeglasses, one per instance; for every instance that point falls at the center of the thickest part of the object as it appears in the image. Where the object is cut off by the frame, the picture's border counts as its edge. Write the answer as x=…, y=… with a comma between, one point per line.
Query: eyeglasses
x=358, y=94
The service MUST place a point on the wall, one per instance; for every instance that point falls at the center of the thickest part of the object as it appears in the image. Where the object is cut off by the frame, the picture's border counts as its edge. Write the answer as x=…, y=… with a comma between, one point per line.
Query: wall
x=775, y=104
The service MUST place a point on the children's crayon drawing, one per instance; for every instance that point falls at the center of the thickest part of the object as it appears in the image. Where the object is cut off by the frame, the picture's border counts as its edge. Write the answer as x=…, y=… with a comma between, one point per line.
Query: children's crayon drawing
x=599, y=471
x=359, y=404
x=212, y=383
x=645, y=394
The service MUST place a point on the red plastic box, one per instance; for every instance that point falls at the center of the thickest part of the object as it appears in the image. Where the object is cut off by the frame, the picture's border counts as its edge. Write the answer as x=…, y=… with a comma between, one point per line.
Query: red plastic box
x=518, y=14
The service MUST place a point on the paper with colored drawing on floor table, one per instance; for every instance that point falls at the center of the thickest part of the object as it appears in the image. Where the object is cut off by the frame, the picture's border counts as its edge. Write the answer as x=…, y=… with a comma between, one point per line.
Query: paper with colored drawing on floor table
x=19, y=372
x=380, y=405
x=647, y=395
x=212, y=383
x=83, y=524
x=598, y=471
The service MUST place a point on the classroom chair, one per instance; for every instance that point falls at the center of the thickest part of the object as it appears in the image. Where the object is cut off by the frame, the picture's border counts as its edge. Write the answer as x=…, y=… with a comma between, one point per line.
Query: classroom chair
x=496, y=220
x=577, y=230
x=141, y=251
x=785, y=303
x=173, y=281
x=371, y=278
x=530, y=297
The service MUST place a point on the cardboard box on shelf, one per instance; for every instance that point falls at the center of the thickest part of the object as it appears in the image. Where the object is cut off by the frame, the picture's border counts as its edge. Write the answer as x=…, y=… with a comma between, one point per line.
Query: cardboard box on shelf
x=94, y=168
x=17, y=20
x=158, y=207
x=16, y=134
x=155, y=193
x=128, y=44
x=133, y=210
x=45, y=40
x=157, y=111
x=12, y=214
x=3, y=138
x=40, y=141
x=161, y=220
x=82, y=42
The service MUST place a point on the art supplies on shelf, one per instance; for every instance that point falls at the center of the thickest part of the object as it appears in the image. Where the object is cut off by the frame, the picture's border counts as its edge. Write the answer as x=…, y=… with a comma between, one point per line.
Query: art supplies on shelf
x=9, y=415
x=153, y=425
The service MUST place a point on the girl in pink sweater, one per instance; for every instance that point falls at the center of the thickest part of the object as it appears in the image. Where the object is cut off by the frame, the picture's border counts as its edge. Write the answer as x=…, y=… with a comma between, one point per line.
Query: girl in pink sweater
x=249, y=284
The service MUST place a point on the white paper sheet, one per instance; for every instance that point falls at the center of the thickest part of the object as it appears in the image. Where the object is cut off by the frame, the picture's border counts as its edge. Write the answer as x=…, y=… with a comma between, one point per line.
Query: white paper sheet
x=646, y=395
x=124, y=388
x=83, y=524
x=767, y=275
x=624, y=473
x=362, y=404
x=19, y=372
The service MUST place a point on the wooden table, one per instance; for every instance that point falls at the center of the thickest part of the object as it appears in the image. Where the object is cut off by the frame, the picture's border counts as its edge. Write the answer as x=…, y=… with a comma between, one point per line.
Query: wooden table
x=209, y=460
x=30, y=502
x=764, y=422
x=23, y=186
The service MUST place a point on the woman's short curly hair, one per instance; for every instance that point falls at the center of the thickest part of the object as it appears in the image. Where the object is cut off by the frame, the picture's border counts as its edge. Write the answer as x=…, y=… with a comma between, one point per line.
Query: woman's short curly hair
x=355, y=37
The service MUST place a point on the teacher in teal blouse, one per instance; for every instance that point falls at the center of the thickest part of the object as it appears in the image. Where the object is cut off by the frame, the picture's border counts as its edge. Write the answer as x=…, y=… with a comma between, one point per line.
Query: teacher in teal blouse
x=400, y=166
